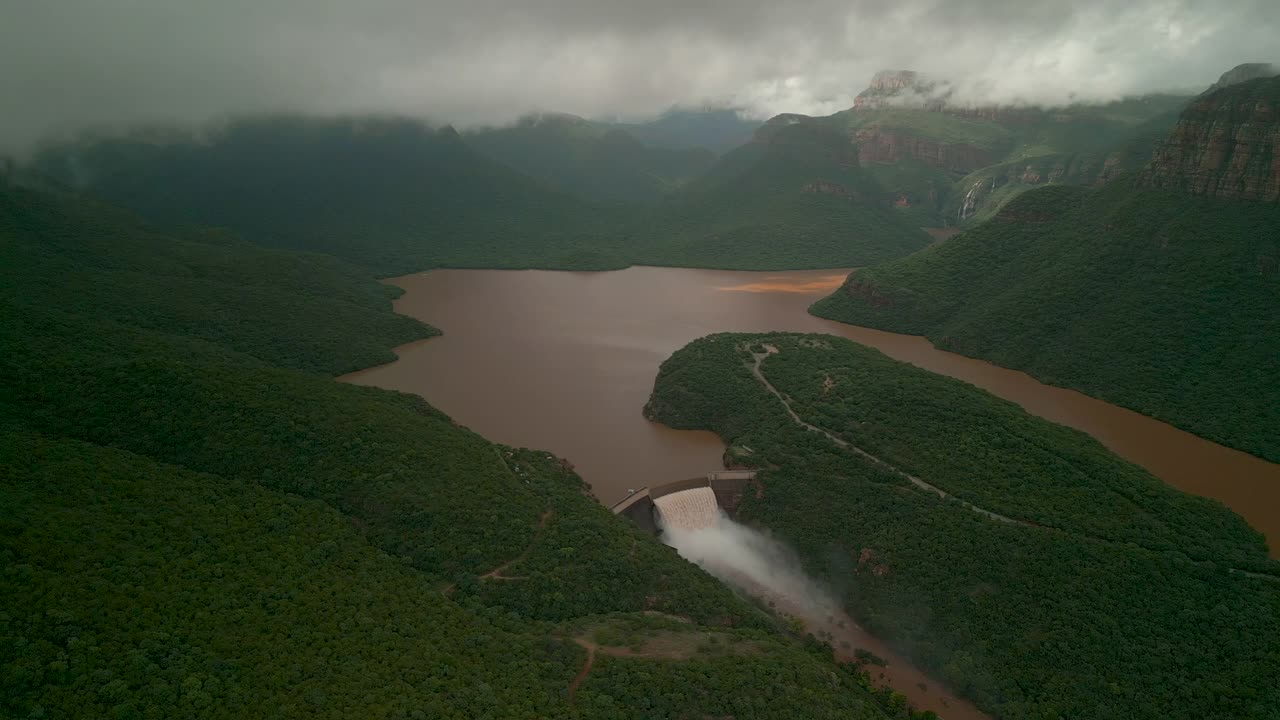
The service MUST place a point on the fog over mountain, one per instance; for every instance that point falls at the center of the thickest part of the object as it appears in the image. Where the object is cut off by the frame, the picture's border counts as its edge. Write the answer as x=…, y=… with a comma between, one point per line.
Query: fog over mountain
x=72, y=64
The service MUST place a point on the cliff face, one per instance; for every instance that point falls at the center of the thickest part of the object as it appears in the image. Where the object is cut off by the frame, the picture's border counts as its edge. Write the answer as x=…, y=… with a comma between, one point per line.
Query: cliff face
x=878, y=145
x=1226, y=144
x=894, y=80
x=910, y=89
x=902, y=88
x=983, y=193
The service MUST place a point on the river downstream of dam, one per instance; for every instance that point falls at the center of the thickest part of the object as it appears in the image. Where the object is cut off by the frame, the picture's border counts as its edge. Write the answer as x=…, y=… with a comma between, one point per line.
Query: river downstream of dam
x=763, y=567
x=565, y=361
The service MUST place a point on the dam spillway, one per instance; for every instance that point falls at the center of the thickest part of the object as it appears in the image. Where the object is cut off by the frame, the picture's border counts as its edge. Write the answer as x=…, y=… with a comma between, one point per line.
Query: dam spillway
x=727, y=489
x=692, y=509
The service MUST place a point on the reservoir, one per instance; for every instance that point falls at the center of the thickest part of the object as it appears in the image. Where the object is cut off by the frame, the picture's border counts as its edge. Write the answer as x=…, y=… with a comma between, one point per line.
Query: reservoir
x=565, y=361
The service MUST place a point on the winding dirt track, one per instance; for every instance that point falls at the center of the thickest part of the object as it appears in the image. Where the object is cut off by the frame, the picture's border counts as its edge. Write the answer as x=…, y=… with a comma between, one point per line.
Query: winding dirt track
x=586, y=668
x=758, y=359
x=496, y=573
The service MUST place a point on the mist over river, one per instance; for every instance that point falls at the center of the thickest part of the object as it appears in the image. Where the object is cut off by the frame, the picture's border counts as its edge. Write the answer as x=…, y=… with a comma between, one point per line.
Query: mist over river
x=564, y=361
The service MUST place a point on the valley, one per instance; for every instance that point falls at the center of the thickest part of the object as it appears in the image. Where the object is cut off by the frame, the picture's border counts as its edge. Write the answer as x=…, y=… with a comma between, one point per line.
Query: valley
x=967, y=595
x=760, y=384
x=265, y=537
x=517, y=343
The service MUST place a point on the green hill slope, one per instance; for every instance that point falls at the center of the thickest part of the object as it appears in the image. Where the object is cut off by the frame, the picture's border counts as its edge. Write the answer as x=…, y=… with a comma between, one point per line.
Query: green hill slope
x=1052, y=580
x=68, y=254
x=591, y=160
x=716, y=129
x=392, y=195
x=396, y=196
x=795, y=197
x=195, y=521
x=1157, y=301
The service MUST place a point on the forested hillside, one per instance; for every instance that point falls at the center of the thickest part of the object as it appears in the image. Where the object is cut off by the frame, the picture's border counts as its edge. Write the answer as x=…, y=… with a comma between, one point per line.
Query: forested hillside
x=1017, y=560
x=592, y=160
x=793, y=194
x=396, y=196
x=196, y=521
x=1154, y=300
x=716, y=129
x=392, y=195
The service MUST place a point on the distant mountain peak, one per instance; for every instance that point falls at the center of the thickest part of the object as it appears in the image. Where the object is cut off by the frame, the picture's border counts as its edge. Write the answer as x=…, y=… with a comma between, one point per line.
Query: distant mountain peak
x=894, y=79
x=903, y=88
x=1244, y=72
x=536, y=119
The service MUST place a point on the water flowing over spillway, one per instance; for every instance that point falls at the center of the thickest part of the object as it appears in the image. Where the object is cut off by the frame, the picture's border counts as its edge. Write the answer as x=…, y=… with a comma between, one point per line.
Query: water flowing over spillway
x=694, y=509
x=693, y=523
x=759, y=565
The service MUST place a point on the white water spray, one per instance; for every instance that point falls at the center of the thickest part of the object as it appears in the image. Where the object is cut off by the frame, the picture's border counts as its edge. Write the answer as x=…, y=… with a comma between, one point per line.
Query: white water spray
x=698, y=529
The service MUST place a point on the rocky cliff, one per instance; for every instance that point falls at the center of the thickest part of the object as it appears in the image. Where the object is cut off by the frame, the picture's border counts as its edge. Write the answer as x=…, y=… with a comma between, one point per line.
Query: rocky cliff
x=1226, y=144
x=912, y=90
x=879, y=145
x=902, y=88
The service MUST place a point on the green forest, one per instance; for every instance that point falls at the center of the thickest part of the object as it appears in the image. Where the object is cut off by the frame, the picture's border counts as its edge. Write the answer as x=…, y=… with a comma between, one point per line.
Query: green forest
x=590, y=159
x=1154, y=300
x=1099, y=593
x=396, y=196
x=800, y=181
x=197, y=521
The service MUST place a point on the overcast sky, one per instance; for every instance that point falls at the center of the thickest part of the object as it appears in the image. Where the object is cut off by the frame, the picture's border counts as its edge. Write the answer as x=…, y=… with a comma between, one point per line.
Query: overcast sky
x=70, y=64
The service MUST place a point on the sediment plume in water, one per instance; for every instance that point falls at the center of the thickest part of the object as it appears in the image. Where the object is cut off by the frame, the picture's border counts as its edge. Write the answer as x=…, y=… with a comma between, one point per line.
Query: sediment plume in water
x=698, y=529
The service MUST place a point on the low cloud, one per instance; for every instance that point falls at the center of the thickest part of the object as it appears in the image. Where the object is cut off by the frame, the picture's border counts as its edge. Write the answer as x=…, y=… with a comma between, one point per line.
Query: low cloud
x=74, y=64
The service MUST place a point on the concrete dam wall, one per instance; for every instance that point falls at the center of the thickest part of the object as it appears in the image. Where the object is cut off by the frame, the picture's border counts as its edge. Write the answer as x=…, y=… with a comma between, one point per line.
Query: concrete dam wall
x=727, y=487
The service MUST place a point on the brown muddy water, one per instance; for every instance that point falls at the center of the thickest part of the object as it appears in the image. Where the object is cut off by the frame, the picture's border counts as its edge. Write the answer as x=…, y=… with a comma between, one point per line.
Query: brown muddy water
x=564, y=361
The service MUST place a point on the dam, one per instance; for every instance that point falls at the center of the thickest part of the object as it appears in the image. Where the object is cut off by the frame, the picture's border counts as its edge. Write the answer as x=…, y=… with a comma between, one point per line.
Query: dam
x=692, y=509
x=691, y=503
x=697, y=517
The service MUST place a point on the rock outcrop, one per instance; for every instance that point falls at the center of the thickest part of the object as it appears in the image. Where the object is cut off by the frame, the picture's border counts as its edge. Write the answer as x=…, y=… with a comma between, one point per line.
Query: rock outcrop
x=891, y=81
x=1226, y=144
x=912, y=90
x=902, y=88
x=879, y=145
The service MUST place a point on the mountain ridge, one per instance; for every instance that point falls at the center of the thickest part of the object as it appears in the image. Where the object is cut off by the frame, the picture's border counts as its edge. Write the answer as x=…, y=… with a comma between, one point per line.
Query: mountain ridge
x=1154, y=295
x=397, y=196
x=1226, y=144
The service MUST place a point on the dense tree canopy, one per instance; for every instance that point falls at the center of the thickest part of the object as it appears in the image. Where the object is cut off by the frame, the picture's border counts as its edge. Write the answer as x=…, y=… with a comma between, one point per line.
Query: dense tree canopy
x=1100, y=592
x=396, y=196
x=196, y=521
x=1158, y=301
